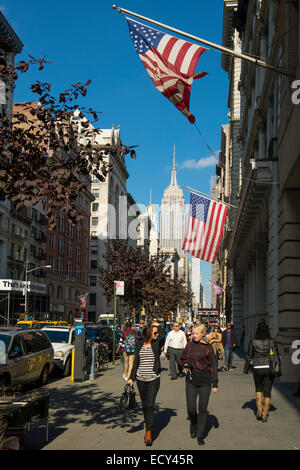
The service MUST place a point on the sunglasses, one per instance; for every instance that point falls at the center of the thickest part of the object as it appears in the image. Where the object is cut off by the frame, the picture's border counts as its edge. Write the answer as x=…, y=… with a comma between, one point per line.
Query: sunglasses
x=156, y=333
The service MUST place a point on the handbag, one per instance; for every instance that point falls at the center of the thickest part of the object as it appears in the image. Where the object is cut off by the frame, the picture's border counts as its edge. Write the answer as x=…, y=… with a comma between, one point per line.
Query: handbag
x=274, y=361
x=128, y=400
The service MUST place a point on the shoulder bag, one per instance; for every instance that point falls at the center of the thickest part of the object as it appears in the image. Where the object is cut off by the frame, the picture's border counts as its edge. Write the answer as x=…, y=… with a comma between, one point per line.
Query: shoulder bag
x=274, y=361
x=128, y=399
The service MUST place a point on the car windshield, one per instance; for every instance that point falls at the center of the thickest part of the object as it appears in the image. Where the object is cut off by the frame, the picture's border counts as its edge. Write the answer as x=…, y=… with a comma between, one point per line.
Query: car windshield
x=56, y=336
x=4, y=343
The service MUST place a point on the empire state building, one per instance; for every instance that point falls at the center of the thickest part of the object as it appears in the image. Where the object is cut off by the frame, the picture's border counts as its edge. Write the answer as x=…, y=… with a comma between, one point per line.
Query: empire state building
x=172, y=216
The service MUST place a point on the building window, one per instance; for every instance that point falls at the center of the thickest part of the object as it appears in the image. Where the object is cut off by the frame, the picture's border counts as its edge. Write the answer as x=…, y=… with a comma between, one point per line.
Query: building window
x=94, y=249
x=69, y=269
x=92, y=299
x=61, y=224
x=60, y=245
x=52, y=240
x=94, y=221
x=79, y=235
x=93, y=280
x=60, y=266
x=78, y=254
x=71, y=231
x=95, y=206
x=70, y=249
x=96, y=192
x=51, y=262
x=94, y=264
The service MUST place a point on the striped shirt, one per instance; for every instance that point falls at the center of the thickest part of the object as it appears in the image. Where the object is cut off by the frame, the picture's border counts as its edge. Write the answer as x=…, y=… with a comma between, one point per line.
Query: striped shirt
x=145, y=370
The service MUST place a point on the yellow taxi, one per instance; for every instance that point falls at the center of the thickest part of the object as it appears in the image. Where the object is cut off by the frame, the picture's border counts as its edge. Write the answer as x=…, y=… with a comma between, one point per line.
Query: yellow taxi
x=27, y=323
x=42, y=324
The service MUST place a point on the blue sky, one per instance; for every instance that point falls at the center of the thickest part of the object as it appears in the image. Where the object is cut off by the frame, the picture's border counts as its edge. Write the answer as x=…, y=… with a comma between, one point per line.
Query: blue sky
x=90, y=40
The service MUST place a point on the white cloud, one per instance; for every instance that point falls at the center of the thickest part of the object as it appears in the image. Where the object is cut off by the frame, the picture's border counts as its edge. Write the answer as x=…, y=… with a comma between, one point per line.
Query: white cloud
x=201, y=163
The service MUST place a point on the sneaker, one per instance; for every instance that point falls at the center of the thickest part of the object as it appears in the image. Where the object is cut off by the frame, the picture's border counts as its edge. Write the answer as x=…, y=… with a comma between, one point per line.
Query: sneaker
x=225, y=368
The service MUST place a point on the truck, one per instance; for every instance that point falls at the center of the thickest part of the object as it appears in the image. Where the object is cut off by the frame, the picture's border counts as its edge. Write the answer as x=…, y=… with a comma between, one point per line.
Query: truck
x=106, y=319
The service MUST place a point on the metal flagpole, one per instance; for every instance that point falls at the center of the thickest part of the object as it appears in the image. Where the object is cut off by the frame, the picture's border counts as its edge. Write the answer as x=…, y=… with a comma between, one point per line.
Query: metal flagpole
x=209, y=197
x=208, y=43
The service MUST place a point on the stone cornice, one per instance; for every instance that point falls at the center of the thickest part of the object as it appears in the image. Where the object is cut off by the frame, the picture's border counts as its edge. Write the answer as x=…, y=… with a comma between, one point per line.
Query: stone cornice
x=6, y=31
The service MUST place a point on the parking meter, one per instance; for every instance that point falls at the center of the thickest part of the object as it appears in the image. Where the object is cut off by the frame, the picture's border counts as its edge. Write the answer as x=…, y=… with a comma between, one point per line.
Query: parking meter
x=80, y=354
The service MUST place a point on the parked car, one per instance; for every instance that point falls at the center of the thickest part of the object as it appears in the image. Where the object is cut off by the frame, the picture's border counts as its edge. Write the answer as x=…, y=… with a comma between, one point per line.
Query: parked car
x=100, y=334
x=63, y=342
x=26, y=355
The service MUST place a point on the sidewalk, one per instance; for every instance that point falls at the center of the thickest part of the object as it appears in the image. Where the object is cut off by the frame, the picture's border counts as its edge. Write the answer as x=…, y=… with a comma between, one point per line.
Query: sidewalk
x=86, y=416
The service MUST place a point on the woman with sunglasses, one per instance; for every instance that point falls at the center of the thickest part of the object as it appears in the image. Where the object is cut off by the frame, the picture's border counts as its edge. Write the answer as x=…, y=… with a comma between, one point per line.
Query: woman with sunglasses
x=146, y=372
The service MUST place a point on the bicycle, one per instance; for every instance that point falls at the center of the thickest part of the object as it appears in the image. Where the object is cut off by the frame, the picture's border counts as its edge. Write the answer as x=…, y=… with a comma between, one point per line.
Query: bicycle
x=101, y=356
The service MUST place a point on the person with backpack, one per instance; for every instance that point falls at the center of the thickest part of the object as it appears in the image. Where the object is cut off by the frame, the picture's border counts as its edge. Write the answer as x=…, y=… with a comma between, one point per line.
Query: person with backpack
x=129, y=338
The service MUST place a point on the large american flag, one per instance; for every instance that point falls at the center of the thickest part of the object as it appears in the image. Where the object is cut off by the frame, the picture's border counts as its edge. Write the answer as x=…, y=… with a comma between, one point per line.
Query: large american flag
x=170, y=62
x=205, y=228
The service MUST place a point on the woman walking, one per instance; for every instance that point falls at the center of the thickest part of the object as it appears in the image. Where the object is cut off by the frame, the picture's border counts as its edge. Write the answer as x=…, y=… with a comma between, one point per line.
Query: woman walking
x=258, y=359
x=199, y=358
x=146, y=371
x=215, y=339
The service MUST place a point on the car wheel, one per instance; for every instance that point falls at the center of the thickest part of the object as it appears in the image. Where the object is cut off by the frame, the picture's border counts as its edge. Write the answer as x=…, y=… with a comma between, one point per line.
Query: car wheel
x=4, y=382
x=67, y=369
x=44, y=376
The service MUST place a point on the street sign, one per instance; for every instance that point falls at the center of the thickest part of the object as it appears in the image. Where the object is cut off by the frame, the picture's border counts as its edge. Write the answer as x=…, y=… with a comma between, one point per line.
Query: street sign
x=119, y=287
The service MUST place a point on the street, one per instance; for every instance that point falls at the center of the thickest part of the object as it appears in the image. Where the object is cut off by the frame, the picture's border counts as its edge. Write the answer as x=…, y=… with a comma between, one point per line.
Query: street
x=86, y=416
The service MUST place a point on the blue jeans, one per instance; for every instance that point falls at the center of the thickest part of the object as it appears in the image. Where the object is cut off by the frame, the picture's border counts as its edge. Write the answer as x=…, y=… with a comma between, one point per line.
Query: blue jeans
x=228, y=353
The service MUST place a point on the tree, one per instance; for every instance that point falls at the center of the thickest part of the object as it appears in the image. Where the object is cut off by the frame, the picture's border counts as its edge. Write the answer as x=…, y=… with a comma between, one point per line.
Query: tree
x=148, y=282
x=42, y=158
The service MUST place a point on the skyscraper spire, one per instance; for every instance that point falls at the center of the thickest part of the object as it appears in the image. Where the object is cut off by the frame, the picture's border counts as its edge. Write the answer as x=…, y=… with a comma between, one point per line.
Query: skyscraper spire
x=174, y=177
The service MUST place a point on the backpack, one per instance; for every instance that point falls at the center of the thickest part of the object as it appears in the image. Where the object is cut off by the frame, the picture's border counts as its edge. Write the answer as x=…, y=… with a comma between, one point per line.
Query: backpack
x=130, y=343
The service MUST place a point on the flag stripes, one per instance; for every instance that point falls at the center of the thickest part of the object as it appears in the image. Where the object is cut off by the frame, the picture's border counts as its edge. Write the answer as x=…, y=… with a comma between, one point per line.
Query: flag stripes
x=205, y=228
x=170, y=62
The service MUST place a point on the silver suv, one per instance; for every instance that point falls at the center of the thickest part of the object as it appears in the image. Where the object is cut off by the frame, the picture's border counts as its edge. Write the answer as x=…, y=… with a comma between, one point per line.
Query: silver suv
x=25, y=356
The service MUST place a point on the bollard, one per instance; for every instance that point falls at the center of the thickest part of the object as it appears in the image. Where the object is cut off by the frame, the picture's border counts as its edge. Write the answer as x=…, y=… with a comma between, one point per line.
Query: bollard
x=92, y=371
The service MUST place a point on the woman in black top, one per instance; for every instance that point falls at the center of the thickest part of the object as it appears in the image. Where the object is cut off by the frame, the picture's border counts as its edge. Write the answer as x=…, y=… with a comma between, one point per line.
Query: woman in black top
x=258, y=360
x=146, y=372
x=199, y=358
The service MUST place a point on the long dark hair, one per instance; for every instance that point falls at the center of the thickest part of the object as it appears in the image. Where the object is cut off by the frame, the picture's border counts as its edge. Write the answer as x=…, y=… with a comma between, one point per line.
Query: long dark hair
x=147, y=333
x=262, y=331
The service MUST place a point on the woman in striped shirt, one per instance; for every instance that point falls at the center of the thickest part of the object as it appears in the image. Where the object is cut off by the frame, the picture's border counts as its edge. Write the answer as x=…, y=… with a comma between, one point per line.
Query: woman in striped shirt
x=146, y=372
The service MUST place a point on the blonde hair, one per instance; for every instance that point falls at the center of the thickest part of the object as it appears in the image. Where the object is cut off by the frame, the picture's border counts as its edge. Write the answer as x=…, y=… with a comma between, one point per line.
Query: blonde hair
x=201, y=327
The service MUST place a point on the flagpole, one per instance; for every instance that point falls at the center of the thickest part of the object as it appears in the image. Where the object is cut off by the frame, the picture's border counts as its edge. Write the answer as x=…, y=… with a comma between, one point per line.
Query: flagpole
x=208, y=43
x=209, y=197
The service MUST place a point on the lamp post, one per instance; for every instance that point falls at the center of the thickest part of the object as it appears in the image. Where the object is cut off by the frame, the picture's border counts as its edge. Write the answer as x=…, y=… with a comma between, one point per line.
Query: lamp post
x=26, y=282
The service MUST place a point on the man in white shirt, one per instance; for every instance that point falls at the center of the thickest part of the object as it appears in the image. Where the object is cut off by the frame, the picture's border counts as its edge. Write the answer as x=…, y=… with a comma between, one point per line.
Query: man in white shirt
x=174, y=347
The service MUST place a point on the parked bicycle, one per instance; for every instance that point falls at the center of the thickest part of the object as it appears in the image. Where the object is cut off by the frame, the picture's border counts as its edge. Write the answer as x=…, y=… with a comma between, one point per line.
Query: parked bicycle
x=101, y=356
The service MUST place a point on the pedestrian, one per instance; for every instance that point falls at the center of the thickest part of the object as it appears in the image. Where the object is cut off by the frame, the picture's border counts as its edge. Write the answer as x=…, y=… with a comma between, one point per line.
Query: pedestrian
x=198, y=358
x=229, y=343
x=258, y=360
x=129, y=338
x=188, y=334
x=161, y=335
x=146, y=371
x=215, y=339
x=121, y=347
x=173, y=348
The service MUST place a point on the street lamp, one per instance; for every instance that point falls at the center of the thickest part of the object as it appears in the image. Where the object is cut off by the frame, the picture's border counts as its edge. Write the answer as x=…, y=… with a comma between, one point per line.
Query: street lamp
x=26, y=281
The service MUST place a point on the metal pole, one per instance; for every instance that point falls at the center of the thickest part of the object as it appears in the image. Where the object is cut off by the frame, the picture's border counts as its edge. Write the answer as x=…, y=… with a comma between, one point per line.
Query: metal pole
x=26, y=288
x=209, y=197
x=208, y=43
x=8, y=309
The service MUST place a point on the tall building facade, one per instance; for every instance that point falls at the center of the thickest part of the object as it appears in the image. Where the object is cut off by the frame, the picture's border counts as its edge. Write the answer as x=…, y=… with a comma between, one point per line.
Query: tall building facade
x=263, y=240
x=172, y=216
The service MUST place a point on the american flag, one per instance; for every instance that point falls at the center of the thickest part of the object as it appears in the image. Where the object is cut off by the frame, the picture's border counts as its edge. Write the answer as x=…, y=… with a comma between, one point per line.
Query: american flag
x=205, y=228
x=170, y=62
x=218, y=290
x=83, y=300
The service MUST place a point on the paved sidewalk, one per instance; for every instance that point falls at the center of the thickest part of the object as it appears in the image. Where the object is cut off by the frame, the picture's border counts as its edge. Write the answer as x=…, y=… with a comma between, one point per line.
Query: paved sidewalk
x=86, y=416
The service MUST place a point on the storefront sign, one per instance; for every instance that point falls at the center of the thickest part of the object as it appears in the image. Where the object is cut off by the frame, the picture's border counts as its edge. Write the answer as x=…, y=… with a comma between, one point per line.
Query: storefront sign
x=19, y=286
